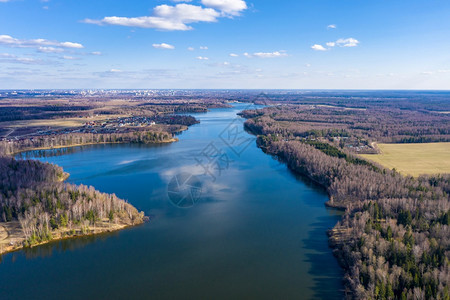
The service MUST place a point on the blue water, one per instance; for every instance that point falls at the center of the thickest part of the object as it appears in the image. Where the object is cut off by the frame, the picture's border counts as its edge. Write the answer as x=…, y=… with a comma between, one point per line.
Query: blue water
x=256, y=230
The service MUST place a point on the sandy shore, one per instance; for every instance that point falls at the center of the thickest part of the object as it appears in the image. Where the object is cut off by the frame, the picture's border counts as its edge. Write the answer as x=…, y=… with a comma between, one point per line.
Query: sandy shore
x=12, y=237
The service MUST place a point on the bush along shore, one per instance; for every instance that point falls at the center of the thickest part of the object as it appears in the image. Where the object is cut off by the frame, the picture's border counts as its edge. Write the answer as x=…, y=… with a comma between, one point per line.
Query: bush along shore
x=394, y=239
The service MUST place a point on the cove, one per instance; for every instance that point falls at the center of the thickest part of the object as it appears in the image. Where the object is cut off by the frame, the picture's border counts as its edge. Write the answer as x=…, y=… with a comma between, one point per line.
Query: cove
x=256, y=231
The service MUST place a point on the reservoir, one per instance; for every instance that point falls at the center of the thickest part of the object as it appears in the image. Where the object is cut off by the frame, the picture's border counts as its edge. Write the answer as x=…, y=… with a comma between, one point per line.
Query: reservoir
x=249, y=228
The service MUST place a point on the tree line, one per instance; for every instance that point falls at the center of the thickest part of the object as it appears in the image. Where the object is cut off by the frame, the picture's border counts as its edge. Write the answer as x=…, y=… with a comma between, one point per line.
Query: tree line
x=70, y=139
x=394, y=238
x=34, y=194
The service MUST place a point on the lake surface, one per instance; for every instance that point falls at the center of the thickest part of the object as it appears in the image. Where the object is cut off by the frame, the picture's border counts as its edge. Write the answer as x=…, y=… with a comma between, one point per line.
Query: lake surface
x=255, y=230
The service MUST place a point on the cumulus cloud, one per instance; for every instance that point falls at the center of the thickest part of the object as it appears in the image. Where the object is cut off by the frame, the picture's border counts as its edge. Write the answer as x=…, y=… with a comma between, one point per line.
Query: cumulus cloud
x=202, y=58
x=227, y=7
x=203, y=48
x=178, y=17
x=350, y=42
x=50, y=50
x=332, y=26
x=11, y=58
x=191, y=48
x=9, y=41
x=165, y=17
x=318, y=47
x=67, y=57
x=163, y=46
x=275, y=54
x=233, y=55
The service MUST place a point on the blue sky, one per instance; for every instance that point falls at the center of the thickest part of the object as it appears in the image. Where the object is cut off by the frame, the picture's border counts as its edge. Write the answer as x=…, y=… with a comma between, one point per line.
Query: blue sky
x=303, y=44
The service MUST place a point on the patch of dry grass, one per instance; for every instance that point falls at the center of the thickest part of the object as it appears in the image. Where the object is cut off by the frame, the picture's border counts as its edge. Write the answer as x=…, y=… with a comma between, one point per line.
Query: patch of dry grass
x=414, y=159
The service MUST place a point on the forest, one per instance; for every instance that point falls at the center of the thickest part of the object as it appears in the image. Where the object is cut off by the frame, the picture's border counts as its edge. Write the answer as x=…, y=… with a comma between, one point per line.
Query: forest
x=34, y=194
x=394, y=238
x=71, y=139
x=352, y=127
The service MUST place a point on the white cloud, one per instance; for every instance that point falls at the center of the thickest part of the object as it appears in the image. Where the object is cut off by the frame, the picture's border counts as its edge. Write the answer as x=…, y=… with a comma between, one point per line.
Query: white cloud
x=71, y=45
x=96, y=53
x=11, y=58
x=227, y=7
x=233, y=55
x=317, y=47
x=9, y=41
x=275, y=54
x=332, y=26
x=202, y=58
x=115, y=71
x=191, y=48
x=165, y=17
x=435, y=72
x=50, y=50
x=203, y=48
x=70, y=57
x=350, y=42
x=163, y=46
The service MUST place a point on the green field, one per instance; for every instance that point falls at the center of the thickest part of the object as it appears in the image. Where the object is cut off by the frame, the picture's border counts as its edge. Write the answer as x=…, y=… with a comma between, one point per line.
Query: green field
x=414, y=159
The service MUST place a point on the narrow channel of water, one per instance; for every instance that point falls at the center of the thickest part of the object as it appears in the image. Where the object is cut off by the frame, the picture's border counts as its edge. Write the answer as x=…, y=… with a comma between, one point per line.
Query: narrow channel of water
x=256, y=230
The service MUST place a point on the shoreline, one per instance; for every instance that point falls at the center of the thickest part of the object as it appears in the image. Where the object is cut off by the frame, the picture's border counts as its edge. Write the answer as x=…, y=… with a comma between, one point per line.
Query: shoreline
x=172, y=140
x=64, y=234
x=14, y=236
x=14, y=241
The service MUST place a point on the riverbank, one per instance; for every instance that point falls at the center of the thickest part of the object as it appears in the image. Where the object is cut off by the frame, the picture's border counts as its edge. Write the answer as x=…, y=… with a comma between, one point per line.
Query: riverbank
x=386, y=214
x=12, y=234
x=37, y=206
x=277, y=232
x=330, y=203
x=172, y=140
x=12, y=237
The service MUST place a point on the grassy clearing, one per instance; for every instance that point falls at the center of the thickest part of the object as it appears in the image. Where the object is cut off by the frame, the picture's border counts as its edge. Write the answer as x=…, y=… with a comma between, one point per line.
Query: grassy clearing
x=414, y=159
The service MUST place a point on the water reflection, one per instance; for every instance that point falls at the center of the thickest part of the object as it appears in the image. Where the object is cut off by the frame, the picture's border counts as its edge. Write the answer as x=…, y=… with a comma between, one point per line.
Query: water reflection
x=258, y=231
